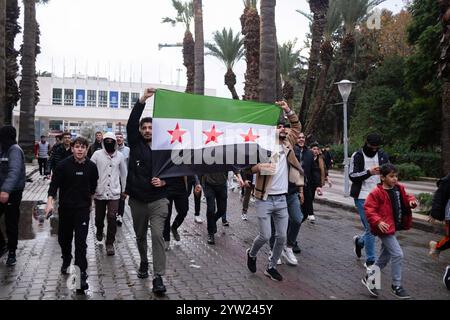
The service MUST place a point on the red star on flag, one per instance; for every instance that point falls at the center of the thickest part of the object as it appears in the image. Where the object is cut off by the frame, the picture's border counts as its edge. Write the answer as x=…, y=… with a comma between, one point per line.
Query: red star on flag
x=176, y=134
x=212, y=135
x=249, y=137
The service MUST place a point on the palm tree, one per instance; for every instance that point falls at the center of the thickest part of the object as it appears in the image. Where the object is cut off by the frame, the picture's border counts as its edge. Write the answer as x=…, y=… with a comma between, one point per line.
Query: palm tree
x=199, y=78
x=2, y=61
x=319, y=9
x=250, y=30
x=12, y=67
x=289, y=60
x=444, y=74
x=334, y=21
x=185, y=13
x=268, y=54
x=28, y=85
x=228, y=48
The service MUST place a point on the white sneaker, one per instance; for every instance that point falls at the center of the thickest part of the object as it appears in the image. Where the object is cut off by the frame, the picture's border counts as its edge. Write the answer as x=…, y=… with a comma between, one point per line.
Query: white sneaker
x=433, y=252
x=244, y=216
x=312, y=218
x=279, y=262
x=289, y=257
x=197, y=219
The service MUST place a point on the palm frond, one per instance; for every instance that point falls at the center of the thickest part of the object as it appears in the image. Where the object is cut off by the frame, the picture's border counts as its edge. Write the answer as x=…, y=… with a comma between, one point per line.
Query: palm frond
x=226, y=47
x=289, y=58
x=307, y=15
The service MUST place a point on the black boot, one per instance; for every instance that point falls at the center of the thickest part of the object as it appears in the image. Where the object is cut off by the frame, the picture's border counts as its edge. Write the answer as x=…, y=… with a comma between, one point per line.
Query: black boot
x=11, y=259
x=143, y=270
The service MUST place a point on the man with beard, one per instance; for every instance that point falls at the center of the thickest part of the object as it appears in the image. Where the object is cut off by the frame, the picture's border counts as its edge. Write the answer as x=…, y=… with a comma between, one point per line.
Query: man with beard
x=365, y=175
x=271, y=189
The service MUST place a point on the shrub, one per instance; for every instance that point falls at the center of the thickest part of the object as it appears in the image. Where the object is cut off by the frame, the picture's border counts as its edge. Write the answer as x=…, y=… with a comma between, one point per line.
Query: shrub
x=425, y=200
x=409, y=171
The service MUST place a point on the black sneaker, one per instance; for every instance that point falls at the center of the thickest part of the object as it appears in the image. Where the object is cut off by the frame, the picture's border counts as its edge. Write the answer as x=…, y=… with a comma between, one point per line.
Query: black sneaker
x=370, y=285
x=3, y=250
x=357, y=247
x=211, y=239
x=11, y=261
x=175, y=233
x=399, y=292
x=273, y=274
x=296, y=249
x=83, y=281
x=143, y=270
x=158, y=286
x=251, y=262
x=225, y=223
x=446, y=278
x=119, y=220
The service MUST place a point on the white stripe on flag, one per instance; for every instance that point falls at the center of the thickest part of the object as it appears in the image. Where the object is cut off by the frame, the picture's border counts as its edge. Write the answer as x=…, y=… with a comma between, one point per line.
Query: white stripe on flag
x=192, y=134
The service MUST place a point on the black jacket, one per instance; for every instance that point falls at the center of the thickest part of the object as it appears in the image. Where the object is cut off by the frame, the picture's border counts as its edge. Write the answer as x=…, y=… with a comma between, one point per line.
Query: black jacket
x=357, y=173
x=140, y=162
x=57, y=154
x=76, y=183
x=306, y=158
x=94, y=147
x=440, y=198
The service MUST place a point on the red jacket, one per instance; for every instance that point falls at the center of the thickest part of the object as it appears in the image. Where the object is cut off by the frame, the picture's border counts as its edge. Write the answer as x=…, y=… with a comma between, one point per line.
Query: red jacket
x=378, y=208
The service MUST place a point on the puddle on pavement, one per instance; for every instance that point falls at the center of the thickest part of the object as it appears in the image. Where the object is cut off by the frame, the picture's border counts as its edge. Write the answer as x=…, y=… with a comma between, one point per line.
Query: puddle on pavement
x=32, y=221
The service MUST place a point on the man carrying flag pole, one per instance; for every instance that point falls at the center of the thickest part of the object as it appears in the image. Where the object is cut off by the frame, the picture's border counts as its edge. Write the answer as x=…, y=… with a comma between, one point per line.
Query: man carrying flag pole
x=148, y=195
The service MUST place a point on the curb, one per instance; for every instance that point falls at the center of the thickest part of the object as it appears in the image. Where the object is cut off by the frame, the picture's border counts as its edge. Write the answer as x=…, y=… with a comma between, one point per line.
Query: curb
x=416, y=224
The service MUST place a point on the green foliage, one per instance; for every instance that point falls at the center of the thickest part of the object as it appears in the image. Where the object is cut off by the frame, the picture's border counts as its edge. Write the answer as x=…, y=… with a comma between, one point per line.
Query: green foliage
x=185, y=13
x=427, y=161
x=227, y=47
x=289, y=59
x=337, y=150
x=409, y=171
x=425, y=201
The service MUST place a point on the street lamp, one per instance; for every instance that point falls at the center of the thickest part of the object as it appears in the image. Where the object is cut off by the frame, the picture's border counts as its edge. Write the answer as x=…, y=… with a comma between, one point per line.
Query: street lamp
x=345, y=88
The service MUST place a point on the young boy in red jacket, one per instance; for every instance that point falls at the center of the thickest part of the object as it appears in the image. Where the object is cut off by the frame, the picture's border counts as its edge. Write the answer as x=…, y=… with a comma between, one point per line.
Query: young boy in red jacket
x=388, y=209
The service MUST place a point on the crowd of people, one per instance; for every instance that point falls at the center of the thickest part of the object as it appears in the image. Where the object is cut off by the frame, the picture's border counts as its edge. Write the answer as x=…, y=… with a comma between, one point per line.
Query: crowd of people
x=108, y=172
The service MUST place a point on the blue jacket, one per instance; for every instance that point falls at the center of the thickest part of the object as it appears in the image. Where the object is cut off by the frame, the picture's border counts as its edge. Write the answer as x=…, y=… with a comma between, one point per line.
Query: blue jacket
x=12, y=169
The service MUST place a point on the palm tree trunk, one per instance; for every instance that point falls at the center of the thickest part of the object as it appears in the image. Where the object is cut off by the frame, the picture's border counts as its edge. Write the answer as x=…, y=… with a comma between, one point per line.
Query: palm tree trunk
x=189, y=60
x=319, y=9
x=250, y=29
x=27, y=84
x=446, y=127
x=230, y=82
x=199, y=78
x=12, y=68
x=268, y=56
x=318, y=106
x=2, y=61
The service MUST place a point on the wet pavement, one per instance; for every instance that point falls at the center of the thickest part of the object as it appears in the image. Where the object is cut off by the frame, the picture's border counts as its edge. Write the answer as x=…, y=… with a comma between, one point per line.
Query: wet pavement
x=327, y=266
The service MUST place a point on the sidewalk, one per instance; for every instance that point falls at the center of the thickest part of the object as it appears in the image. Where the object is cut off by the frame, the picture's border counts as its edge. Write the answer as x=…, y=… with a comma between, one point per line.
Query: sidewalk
x=334, y=197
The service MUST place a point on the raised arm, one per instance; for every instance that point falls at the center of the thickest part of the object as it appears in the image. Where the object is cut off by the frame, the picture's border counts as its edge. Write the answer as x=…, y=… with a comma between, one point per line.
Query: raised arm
x=135, y=115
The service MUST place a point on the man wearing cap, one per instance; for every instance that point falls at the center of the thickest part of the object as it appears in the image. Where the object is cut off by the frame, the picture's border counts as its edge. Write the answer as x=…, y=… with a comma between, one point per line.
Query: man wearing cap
x=365, y=175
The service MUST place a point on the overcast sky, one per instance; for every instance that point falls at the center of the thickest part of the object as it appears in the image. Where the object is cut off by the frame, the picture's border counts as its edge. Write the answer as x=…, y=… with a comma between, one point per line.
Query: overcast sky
x=123, y=35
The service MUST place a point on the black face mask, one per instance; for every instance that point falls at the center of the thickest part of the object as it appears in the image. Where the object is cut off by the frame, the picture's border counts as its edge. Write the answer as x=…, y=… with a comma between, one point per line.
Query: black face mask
x=109, y=146
x=369, y=151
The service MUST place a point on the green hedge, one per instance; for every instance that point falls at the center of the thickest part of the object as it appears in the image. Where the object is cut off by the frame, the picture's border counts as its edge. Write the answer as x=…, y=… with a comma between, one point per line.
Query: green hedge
x=409, y=171
x=428, y=162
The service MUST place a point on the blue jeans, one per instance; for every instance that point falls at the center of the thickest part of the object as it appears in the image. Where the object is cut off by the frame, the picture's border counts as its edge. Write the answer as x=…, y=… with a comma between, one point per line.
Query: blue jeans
x=367, y=240
x=275, y=207
x=294, y=223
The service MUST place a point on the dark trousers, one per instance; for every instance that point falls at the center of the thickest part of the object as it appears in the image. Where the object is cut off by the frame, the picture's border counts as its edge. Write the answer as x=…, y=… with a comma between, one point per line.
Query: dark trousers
x=121, y=209
x=197, y=197
x=309, y=192
x=12, y=214
x=182, y=206
x=246, y=200
x=213, y=195
x=108, y=208
x=70, y=221
x=42, y=166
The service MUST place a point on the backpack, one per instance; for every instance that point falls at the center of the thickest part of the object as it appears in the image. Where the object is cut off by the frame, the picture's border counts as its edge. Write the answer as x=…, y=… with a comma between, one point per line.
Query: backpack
x=440, y=198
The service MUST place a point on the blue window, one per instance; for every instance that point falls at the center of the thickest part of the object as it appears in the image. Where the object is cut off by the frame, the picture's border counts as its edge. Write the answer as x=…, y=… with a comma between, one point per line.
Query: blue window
x=113, y=99
x=80, y=98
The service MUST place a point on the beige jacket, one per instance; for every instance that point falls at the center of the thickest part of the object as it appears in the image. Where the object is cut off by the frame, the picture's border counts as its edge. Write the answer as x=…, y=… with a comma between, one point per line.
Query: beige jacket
x=295, y=169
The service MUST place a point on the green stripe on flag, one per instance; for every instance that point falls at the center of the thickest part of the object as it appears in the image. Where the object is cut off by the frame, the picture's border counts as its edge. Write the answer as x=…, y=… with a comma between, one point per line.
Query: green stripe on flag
x=177, y=105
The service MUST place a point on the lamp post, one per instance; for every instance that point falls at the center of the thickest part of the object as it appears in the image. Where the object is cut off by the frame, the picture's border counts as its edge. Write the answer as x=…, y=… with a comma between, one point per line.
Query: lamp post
x=345, y=88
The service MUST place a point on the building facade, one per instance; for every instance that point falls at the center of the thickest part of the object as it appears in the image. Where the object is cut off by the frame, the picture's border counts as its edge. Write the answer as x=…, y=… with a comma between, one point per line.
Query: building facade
x=83, y=105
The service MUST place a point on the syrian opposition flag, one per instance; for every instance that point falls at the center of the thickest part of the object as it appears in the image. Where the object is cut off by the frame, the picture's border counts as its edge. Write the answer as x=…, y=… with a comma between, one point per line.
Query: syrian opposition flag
x=195, y=134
